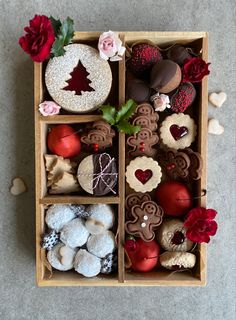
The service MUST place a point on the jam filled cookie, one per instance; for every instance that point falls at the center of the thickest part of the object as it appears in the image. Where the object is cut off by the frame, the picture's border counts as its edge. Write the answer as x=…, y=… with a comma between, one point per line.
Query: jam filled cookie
x=79, y=81
x=143, y=174
x=172, y=236
x=178, y=131
x=147, y=217
x=177, y=260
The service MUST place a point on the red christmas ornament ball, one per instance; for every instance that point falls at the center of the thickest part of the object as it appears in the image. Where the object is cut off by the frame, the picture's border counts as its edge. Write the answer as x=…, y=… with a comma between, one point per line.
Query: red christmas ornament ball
x=63, y=141
x=143, y=255
x=174, y=197
x=143, y=57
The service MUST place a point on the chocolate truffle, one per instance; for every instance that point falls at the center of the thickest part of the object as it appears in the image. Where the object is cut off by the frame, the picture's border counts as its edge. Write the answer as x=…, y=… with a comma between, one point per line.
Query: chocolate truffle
x=97, y=174
x=165, y=76
x=178, y=54
x=137, y=89
x=143, y=57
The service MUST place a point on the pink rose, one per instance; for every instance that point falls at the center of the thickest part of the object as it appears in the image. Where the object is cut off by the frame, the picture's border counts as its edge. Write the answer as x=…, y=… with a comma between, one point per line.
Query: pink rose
x=160, y=101
x=49, y=108
x=110, y=46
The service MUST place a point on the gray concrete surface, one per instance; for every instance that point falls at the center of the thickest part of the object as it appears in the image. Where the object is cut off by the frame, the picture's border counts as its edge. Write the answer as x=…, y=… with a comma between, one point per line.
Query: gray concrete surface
x=19, y=297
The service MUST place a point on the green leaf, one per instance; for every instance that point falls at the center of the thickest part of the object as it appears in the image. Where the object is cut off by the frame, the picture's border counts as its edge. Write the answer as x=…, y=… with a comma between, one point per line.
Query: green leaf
x=109, y=113
x=126, y=127
x=58, y=47
x=56, y=24
x=126, y=110
x=67, y=30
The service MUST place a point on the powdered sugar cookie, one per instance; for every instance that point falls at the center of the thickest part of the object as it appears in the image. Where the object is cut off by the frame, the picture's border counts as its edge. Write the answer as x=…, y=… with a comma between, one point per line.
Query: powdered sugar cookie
x=178, y=131
x=143, y=174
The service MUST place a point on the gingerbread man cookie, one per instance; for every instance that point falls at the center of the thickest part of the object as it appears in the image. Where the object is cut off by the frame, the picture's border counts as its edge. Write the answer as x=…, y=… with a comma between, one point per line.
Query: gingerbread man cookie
x=144, y=122
x=196, y=164
x=146, y=109
x=134, y=199
x=175, y=163
x=142, y=143
x=147, y=217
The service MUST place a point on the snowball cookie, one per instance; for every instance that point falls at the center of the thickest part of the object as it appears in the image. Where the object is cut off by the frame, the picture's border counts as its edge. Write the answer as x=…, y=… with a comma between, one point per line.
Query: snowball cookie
x=177, y=260
x=101, y=218
x=172, y=236
x=87, y=264
x=79, y=81
x=101, y=244
x=74, y=234
x=58, y=215
x=61, y=257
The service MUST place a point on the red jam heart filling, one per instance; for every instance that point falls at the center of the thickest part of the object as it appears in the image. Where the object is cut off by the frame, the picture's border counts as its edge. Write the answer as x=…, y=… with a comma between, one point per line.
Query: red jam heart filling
x=178, y=238
x=178, y=132
x=143, y=176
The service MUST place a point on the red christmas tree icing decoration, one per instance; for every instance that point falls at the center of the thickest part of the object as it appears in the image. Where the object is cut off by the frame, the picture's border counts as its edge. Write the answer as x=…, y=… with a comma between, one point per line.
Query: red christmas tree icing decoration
x=79, y=80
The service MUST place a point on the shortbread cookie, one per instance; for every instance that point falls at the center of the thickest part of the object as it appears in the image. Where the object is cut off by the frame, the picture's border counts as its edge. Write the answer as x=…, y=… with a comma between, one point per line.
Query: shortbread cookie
x=178, y=131
x=79, y=81
x=172, y=236
x=177, y=260
x=143, y=174
x=147, y=217
x=64, y=183
x=97, y=174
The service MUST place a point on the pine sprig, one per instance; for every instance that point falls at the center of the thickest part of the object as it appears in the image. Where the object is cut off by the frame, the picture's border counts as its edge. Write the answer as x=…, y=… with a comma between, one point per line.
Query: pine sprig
x=64, y=32
x=119, y=119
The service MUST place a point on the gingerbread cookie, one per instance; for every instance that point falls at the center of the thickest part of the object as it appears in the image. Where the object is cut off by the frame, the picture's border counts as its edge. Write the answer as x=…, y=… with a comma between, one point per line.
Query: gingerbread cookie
x=175, y=163
x=147, y=217
x=196, y=164
x=178, y=131
x=100, y=135
x=146, y=109
x=142, y=143
x=143, y=174
x=134, y=199
x=144, y=122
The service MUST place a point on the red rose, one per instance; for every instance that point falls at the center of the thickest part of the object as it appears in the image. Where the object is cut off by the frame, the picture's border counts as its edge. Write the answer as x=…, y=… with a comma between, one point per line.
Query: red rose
x=131, y=245
x=194, y=70
x=200, y=224
x=38, y=39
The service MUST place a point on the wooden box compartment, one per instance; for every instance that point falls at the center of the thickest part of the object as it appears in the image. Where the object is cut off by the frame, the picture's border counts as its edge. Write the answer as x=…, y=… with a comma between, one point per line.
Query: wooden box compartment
x=198, y=40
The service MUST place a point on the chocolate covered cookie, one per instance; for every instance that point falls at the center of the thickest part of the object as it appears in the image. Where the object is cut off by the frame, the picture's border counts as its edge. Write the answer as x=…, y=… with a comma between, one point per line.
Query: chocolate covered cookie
x=97, y=174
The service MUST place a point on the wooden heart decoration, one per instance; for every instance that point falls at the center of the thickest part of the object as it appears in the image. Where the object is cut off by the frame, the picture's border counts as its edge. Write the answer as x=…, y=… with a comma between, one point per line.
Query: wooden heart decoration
x=178, y=132
x=217, y=99
x=143, y=175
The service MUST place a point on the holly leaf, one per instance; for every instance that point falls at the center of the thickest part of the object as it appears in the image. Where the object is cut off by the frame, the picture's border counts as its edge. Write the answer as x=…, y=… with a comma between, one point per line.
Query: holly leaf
x=58, y=47
x=56, y=24
x=126, y=110
x=126, y=127
x=109, y=113
x=67, y=30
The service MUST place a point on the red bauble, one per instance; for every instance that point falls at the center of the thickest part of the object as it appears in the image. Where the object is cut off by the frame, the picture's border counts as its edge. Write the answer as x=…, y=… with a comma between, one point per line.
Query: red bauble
x=144, y=255
x=64, y=141
x=174, y=197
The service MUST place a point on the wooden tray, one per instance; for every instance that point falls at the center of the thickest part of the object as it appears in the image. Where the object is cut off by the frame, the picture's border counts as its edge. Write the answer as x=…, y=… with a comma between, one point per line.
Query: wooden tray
x=42, y=199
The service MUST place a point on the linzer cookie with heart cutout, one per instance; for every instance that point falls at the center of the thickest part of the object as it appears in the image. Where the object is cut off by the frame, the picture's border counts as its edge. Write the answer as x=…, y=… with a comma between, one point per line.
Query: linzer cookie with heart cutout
x=143, y=174
x=147, y=217
x=178, y=131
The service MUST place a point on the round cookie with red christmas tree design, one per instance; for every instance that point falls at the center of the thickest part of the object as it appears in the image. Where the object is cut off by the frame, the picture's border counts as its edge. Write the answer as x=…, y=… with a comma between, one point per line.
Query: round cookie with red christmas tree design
x=80, y=81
